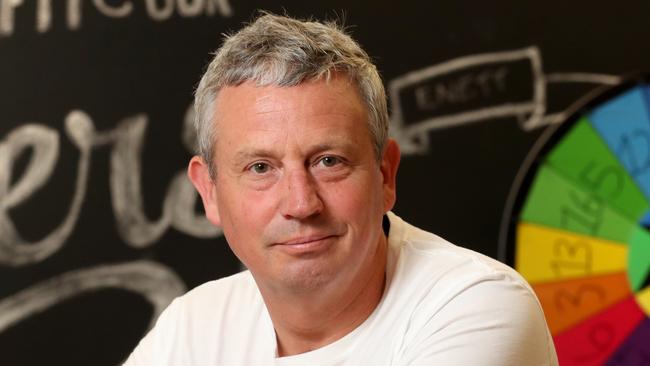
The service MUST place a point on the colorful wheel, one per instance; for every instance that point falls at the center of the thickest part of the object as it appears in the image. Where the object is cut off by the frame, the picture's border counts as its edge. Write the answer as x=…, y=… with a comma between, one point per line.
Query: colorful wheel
x=577, y=227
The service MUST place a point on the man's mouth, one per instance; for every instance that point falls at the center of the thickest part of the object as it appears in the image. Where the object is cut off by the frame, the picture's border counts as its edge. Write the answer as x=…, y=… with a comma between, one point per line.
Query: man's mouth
x=306, y=244
x=305, y=239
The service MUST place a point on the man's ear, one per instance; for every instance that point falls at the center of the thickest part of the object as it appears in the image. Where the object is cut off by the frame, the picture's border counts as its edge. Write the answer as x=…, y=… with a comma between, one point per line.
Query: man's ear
x=199, y=174
x=389, y=165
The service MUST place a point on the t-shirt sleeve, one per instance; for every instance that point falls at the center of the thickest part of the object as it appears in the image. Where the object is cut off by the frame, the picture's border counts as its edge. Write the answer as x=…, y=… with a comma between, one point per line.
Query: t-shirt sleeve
x=493, y=321
x=156, y=347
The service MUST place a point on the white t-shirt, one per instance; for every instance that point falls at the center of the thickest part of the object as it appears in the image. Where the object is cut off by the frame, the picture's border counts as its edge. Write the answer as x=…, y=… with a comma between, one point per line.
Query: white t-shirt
x=442, y=305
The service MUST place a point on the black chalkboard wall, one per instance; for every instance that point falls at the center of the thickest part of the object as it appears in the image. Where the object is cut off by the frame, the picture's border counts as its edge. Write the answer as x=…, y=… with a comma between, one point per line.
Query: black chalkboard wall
x=99, y=229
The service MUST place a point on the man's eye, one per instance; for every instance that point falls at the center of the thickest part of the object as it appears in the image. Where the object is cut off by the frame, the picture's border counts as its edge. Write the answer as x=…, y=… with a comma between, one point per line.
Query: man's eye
x=329, y=161
x=259, y=168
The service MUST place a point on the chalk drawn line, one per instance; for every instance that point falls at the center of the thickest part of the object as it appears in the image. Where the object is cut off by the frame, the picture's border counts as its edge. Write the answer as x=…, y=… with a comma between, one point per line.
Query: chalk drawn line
x=157, y=283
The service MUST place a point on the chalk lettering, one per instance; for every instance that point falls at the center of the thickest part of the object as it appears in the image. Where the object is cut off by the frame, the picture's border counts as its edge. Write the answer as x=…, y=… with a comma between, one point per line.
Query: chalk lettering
x=7, y=15
x=462, y=89
x=43, y=15
x=178, y=205
x=126, y=197
x=221, y=6
x=113, y=11
x=160, y=13
x=190, y=8
x=157, y=10
x=73, y=14
x=14, y=250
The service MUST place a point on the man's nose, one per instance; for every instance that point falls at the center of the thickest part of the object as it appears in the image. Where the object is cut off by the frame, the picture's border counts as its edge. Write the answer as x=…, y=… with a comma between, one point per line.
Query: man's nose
x=301, y=199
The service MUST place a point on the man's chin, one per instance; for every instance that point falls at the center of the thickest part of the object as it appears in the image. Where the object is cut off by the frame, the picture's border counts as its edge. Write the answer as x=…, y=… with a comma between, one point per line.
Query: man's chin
x=306, y=277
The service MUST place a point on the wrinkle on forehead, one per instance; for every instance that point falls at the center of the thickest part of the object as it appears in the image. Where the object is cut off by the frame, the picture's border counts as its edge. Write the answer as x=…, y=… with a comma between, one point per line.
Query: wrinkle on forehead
x=271, y=98
x=265, y=103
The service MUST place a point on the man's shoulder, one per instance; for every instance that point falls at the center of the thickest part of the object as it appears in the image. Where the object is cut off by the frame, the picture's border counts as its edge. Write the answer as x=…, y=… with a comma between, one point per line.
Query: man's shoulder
x=453, y=295
x=426, y=255
x=433, y=251
x=193, y=328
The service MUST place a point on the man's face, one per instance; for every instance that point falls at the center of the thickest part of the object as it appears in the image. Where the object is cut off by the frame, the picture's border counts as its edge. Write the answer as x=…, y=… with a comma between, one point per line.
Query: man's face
x=298, y=192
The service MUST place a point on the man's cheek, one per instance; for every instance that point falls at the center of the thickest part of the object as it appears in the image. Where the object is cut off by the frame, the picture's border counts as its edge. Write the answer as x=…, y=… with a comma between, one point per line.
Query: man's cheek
x=255, y=207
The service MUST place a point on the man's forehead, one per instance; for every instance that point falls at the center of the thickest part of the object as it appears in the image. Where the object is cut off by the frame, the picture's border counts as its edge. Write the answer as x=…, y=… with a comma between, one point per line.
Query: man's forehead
x=249, y=102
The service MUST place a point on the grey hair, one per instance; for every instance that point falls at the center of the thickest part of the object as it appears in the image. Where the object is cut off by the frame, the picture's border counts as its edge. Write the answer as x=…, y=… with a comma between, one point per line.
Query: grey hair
x=281, y=51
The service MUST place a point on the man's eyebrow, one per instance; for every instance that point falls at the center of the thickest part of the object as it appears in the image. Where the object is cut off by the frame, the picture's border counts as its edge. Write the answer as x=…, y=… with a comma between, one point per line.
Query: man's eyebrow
x=345, y=145
x=248, y=154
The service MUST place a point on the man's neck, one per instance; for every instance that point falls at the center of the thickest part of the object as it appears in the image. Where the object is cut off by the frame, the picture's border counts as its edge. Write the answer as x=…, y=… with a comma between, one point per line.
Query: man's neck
x=306, y=322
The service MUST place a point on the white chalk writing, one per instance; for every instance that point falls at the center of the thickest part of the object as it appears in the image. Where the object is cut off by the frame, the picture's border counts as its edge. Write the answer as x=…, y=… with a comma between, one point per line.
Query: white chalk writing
x=14, y=250
x=156, y=10
x=127, y=140
x=462, y=89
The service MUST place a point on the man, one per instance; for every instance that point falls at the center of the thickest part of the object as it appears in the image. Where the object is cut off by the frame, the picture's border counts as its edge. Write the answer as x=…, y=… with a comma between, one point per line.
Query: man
x=295, y=165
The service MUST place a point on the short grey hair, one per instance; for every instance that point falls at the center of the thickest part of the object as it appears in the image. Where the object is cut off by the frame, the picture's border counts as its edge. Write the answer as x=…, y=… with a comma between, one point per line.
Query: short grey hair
x=282, y=51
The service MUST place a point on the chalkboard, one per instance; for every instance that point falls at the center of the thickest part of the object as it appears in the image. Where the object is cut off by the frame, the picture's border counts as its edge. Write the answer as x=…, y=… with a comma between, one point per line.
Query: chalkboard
x=99, y=229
